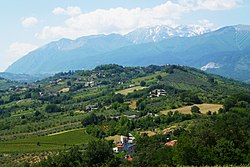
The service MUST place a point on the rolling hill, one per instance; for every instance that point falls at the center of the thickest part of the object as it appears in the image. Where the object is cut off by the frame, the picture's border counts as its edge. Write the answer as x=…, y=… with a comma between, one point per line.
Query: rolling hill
x=40, y=119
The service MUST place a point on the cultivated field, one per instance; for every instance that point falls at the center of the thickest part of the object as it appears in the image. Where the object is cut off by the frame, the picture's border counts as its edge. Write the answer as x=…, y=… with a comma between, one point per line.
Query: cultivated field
x=45, y=143
x=132, y=105
x=64, y=90
x=204, y=108
x=130, y=90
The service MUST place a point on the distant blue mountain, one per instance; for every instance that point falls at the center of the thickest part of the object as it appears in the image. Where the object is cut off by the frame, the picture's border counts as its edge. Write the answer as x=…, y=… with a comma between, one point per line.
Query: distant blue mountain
x=225, y=51
x=66, y=54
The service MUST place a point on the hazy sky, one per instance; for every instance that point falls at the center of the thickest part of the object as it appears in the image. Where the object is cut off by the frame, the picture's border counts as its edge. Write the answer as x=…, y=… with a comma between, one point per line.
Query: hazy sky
x=29, y=24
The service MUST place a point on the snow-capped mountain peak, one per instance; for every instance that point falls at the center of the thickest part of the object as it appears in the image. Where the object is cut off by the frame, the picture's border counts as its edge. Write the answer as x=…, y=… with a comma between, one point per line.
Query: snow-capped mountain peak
x=161, y=32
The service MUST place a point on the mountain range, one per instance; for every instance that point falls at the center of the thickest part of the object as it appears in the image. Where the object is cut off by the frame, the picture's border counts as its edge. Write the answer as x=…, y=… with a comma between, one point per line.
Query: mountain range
x=225, y=51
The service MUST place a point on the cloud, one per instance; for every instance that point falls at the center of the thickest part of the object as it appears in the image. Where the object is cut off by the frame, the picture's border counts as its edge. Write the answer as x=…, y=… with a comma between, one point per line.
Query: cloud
x=15, y=51
x=114, y=20
x=29, y=21
x=220, y=4
x=206, y=23
x=212, y=5
x=71, y=11
x=18, y=49
x=122, y=20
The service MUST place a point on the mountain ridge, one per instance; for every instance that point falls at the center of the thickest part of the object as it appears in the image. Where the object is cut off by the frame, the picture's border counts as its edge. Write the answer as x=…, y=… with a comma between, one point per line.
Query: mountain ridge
x=227, y=47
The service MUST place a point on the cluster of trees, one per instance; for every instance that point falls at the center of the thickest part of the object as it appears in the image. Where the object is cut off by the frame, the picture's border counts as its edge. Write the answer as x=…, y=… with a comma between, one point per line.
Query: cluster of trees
x=51, y=108
x=241, y=100
x=101, y=127
x=92, y=119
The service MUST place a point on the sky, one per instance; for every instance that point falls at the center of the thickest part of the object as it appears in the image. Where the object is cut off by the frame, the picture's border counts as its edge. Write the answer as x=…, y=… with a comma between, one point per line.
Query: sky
x=26, y=25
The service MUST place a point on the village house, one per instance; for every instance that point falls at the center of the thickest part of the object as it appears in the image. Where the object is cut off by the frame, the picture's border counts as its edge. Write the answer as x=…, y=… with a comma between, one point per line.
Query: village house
x=91, y=107
x=126, y=143
x=131, y=138
x=132, y=85
x=90, y=84
x=157, y=93
x=119, y=148
x=128, y=116
x=131, y=116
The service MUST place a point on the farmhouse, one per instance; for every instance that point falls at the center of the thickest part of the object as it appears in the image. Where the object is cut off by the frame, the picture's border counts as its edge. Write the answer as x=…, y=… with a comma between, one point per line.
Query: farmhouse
x=126, y=143
x=157, y=93
x=90, y=84
x=91, y=107
x=128, y=116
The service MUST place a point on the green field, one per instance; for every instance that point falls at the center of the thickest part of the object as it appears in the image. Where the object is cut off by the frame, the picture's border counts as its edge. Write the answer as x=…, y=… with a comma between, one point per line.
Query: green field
x=149, y=78
x=53, y=142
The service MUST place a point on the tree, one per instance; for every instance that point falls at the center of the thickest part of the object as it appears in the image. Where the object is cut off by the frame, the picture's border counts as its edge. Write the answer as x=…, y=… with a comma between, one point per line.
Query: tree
x=195, y=109
x=51, y=108
x=209, y=112
x=37, y=113
x=97, y=153
x=143, y=83
x=118, y=98
x=229, y=103
x=69, y=83
x=92, y=119
x=159, y=77
x=170, y=70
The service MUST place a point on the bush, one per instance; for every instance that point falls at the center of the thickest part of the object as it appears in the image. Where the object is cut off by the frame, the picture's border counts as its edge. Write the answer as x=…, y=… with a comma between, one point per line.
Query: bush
x=195, y=110
x=51, y=108
x=143, y=83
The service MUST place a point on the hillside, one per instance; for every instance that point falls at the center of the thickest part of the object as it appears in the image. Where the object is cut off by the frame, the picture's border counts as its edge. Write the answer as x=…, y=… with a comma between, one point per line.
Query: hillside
x=6, y=84
x=224, y=51
x=23, y=77
x=82, y=106
x=72, y=93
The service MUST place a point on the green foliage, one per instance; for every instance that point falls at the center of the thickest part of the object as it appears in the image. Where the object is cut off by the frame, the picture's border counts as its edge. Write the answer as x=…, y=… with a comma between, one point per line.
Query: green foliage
x=92, y=119
x=150, y=152
x=117, y=98
x=97, y=153
x=33, y=111
x=224, y=141
x=51, y=108
x=195, y=110
x=142, y=83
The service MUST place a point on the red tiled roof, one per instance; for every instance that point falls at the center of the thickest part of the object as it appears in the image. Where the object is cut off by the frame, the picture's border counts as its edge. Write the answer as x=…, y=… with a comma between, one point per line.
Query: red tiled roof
x=120, y=146
x=130, y=159
x=171, y=143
